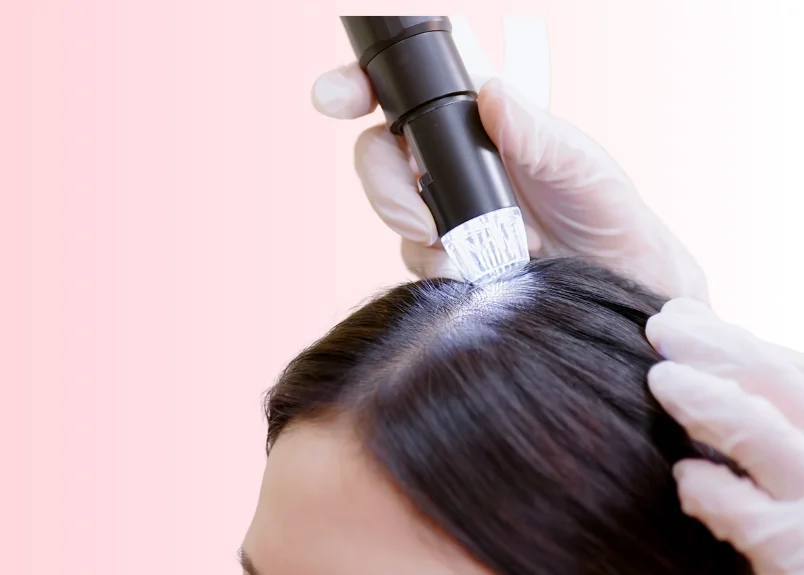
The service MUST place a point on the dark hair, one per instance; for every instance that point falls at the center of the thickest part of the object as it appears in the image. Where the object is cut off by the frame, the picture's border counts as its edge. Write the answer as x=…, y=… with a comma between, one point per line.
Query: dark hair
x=516, y=417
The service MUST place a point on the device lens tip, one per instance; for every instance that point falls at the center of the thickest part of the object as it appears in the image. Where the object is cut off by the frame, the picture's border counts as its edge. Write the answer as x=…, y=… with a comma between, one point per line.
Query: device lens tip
x=488, y=246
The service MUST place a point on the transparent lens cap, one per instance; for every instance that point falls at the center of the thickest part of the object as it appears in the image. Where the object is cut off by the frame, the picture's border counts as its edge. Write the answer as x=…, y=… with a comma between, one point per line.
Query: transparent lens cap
x=488, y=246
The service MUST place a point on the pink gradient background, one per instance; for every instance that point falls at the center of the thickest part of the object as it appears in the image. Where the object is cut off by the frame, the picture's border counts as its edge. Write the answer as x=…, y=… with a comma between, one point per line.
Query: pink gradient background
x=176, y=222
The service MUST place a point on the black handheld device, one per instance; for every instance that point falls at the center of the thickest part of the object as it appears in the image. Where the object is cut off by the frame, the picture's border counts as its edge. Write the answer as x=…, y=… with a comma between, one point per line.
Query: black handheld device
x=425, y=91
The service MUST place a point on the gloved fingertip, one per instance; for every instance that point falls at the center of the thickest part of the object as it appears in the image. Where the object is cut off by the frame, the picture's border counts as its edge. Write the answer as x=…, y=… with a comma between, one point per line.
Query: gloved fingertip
x=668, y=332
x=687, y=306
x=700, y=485
x=655, y=329
x=713, y=493
x=513, y=125
x=491, y=87
x=668, y=381
x=687, y=331
x=329, y=94
x=498, y=116
x=428, y=262
x=377, y=147
x=497, y=88
x=534, y=240
x=405, y=213
x=685, y=467
x=662, y=371
x=480, y=80
x=434, y=240
x=680, y=387
x=344, y=93
x=446, y=271
x=418, y=230
x=695, y=481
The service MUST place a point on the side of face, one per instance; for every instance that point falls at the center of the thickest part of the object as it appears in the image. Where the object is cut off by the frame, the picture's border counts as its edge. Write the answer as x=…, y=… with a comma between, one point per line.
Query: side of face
x=325, y=509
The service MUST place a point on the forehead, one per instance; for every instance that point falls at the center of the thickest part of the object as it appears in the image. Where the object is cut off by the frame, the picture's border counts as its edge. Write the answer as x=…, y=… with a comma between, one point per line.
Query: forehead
x=325, y=508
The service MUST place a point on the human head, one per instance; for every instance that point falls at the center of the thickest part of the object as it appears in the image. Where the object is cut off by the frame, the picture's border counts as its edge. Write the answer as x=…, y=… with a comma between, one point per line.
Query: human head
x=449, y=429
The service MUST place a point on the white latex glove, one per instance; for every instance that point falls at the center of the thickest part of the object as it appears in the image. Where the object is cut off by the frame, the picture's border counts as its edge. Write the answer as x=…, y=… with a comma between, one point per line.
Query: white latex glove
x=575, y=199
x=745, y=398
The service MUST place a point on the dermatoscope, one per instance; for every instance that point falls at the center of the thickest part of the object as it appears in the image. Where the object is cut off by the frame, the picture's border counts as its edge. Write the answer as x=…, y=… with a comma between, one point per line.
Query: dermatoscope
x=427, y=96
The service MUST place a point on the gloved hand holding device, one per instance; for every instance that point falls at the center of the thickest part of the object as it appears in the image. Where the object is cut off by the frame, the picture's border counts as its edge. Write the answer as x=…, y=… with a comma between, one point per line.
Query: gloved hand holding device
x=742, y=396
x=574, y=197
x=745, y=398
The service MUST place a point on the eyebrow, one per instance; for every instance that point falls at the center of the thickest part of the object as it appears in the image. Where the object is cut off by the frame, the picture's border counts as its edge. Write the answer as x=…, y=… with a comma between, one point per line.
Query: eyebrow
x=245, y=562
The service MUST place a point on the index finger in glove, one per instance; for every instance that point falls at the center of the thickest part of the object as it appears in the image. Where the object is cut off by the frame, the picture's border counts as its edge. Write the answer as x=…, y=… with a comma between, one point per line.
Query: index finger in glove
x=428, y=261
x=384, y=169
x=744, y=427
x=344, y=93
x=683, y=305
x=768, y=532
x=688, y=332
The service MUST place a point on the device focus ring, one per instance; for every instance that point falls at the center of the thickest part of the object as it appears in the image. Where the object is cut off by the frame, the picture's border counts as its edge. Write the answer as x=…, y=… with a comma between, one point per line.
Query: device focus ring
x=415, y=71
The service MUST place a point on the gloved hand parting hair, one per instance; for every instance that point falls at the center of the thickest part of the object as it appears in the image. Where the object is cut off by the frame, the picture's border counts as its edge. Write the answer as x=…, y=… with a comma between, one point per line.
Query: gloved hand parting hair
x=744, y=397
x=574, y=198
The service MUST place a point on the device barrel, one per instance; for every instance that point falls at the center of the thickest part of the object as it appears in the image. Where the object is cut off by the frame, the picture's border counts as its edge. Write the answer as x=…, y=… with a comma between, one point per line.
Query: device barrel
x=427, y=95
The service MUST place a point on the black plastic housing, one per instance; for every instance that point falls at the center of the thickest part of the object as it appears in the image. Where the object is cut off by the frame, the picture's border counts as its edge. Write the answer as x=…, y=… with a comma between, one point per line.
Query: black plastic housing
x=426, y=94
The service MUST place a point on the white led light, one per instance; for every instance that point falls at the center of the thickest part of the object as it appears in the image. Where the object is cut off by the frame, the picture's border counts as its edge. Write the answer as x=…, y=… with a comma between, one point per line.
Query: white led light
x=486, y=247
